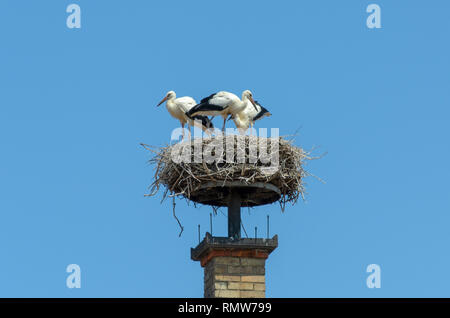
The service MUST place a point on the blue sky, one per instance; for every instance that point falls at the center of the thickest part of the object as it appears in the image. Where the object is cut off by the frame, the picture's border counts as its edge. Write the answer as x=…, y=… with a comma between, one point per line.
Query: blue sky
x=76, y=103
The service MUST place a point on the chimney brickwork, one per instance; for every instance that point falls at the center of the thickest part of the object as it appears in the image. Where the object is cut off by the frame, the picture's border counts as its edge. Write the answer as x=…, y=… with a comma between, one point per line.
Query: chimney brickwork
x=235, y=277
x=234, y=268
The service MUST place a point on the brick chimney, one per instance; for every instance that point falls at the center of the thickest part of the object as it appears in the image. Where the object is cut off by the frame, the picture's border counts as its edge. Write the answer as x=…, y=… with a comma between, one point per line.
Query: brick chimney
x=234, y=268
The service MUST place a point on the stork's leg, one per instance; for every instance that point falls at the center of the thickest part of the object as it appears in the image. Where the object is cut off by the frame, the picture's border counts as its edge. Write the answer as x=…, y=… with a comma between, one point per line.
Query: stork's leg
x=224, y=121
x=210, y=131
x=190, y=127
x=182, y=131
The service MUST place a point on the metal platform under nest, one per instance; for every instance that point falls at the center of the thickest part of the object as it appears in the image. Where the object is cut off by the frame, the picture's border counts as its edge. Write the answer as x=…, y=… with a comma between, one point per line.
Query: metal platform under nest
x=209, y=243
x=219, y=193
x=235, y=195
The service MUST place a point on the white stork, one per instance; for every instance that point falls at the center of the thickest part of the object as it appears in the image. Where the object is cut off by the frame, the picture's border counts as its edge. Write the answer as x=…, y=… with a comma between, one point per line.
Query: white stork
x=178, y=107
x=223, y=104
x=249, y=115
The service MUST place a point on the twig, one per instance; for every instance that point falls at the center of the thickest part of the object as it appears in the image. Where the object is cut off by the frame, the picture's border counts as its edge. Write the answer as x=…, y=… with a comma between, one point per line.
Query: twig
x=176, y=218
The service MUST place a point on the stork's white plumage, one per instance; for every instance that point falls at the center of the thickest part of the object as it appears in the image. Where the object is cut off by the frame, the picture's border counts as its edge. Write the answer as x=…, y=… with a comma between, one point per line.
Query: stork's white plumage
x=249, y=115
x=178, y=107
x=223, y=104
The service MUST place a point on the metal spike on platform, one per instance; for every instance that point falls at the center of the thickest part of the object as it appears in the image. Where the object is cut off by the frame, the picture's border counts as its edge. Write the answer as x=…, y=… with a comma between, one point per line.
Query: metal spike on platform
x=243, y=227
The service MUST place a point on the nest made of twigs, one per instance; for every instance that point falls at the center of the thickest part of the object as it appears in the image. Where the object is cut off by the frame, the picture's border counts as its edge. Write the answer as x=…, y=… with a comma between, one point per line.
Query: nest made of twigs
x=184, y=175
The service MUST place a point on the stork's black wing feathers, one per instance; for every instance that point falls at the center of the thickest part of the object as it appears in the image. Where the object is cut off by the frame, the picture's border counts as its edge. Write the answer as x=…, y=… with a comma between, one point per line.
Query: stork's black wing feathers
x=206, y=122
x=193, y=110
x=207, y=99
x=203, y=107
x=261, y=112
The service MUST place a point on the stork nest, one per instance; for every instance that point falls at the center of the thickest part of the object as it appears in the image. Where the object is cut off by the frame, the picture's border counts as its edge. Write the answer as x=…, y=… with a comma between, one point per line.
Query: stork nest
x=185, y=177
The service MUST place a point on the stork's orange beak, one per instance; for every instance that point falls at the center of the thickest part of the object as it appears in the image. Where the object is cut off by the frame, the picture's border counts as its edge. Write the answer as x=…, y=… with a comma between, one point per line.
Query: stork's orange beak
x=165, y=98
x=253, y=103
